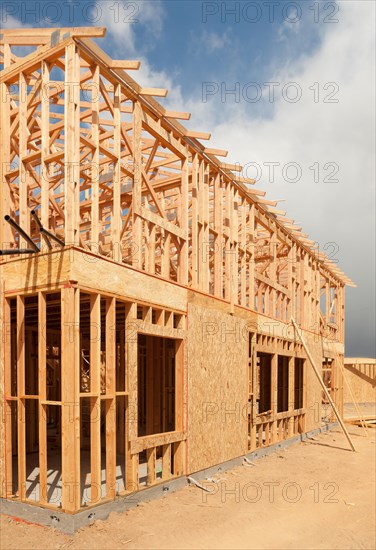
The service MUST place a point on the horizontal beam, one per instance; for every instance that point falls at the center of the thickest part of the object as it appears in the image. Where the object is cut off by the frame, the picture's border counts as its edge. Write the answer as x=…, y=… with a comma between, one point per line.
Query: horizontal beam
x=216, y=152
x=148, y=442
x=42, y=37
x=157, y=92
x=177, y=114
x=126, y=64
x=197, y=135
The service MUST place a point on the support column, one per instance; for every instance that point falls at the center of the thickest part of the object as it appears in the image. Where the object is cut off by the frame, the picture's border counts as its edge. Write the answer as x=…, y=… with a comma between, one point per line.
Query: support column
x=95, y=401
x=70, y=416
x=274, y=394
x=137, y=185
x=111, y=398
x=183, y=259
x=6, y=203
x=291, y=394
x=72, y=145
x=131, y=433
x=42, y=385
x=5, y=391
x=21, y=420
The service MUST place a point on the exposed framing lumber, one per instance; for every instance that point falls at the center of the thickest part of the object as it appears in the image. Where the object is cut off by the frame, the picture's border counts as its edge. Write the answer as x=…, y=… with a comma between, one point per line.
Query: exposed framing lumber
x=327, y=394
x=70, y=414
x=115, y=175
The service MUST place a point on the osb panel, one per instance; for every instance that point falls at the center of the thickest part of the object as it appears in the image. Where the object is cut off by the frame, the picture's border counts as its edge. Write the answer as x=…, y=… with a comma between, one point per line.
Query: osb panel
x=107, y=276
x=37, y=271
x=217, y=385
x=362, y=381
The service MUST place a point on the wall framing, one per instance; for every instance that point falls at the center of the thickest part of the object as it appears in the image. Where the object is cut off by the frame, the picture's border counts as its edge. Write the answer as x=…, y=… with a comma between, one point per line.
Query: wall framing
x=162, y=239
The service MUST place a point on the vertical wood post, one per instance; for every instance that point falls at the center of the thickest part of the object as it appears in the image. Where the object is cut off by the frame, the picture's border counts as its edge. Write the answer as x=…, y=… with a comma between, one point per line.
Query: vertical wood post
x=21, y=397
x=95, y=402
x=70, y=417
x=137, y=185
x=71, y=145
x=42, y=390
x=110, y=402
x=131, y=343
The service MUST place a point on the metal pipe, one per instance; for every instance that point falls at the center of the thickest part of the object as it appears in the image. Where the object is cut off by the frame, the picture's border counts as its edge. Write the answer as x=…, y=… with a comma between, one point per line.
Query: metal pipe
x=40, y=227
x=21, y=232
x=36, y=219
x=52, y=236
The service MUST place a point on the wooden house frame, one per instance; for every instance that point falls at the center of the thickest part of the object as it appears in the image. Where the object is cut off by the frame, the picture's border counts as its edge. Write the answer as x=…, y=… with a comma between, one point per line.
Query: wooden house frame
x=151, y=338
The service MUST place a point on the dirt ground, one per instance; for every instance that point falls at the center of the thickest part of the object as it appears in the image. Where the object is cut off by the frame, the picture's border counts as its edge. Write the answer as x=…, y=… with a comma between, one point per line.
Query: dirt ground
x=314, y=495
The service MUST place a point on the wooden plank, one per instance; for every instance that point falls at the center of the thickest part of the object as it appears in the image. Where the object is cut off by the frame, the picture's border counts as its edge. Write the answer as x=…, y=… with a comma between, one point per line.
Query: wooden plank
x=5, y=154
x=150, y=381
x=155, y=440
x=131, y=358
x=176, y=114
x=291, y=393
x=218, y=242
x=271, y=282
x=274, y=389
x=151, y=469
x=32, y=61
x=42, y=390
x=343, y=373
x=319, y=377
x=137, y=185
x=71, y=145
x=45, y=146
x=253, y=382
x=116, y=201
x=70, y=410
x=21, y=420
x=179, y=458
x=216, y=152
x=166, y=461
x=125, y=64
x=161, y=133
x=24, y=217
x=95, y=225
x=158, y=220
x=198, y=135
x=40, y=32
x=158, y=92
x=184, y=251
x=6, y=474
x=110, y=331
x=95, y=388
x=194, y=221
x=179, y=386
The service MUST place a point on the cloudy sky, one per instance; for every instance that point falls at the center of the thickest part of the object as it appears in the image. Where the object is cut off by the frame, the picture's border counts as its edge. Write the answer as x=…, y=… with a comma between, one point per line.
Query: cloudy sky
x=286, y=87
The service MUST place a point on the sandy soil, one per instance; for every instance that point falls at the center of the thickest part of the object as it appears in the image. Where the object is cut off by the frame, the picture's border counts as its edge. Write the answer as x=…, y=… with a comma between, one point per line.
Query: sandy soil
x=314, y=495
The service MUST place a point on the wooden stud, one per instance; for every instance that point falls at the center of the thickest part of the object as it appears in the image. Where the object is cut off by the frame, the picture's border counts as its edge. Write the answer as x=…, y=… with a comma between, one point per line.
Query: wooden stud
x=151, y=459
x=166, y=461
x=95, y=389
x=70, y=413
x=71, y=147
x=95, y=226
x=323, y=386
x=110, y=329
x=21, y=418
x=42, y=391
